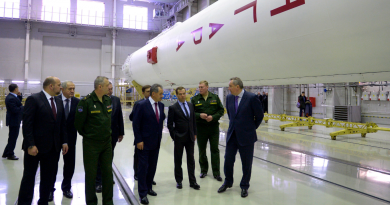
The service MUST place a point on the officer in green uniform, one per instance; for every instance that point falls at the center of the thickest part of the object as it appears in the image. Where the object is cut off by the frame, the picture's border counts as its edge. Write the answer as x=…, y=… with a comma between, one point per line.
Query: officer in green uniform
x=93, y=122
x=208, y=110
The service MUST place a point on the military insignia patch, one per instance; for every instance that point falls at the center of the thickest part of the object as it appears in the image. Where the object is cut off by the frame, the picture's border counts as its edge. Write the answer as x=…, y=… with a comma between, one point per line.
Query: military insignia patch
x=213, y=101
x=80, y=109
x=109, y=106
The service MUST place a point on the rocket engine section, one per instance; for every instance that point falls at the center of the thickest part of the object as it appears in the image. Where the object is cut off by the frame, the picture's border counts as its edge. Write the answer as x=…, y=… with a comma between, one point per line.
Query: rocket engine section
x=271, y=42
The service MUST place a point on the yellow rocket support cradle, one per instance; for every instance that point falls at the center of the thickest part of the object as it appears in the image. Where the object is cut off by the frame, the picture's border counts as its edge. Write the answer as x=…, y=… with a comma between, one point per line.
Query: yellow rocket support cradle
x=348, y=127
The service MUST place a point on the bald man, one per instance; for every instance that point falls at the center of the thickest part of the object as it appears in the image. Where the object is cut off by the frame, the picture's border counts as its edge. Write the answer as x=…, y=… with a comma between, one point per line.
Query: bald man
x=44, y=135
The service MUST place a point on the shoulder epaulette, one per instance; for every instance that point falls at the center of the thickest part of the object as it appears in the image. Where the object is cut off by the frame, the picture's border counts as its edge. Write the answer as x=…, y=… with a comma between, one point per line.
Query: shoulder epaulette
x=86, y=97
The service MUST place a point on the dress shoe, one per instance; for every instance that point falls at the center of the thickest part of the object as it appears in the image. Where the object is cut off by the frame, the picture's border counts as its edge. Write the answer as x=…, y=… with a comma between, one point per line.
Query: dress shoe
x=223, y=188
x=244, y=193
x=203, y=175
x=68, y=194
x=13, y=158
x=218, y=178
x=145, y=200
x=135, y=178
x=152, y=193
x=4, y=156
x=51, y=196
x=195, y=186
x=179, y=185
x=154, y=183
x=99, y=189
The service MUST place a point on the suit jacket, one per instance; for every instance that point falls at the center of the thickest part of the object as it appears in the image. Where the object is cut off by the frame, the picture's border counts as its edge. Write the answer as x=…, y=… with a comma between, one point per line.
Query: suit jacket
x=14, y=111
x=179, y=124
x=247, y=119
x=302, y=101
x=117, y=127
x=40, y=128
x=145, y=126
x=70, y=128
x=131, y=116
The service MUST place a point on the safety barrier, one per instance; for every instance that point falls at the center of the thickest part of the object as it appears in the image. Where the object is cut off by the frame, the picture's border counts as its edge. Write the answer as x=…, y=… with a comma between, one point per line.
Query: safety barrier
x=348, y=127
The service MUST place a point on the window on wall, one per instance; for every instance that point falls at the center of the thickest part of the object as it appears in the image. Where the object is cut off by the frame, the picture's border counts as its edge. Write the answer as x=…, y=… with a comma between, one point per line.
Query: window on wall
x=135, y=17
x=9, y=8
x=56, y=10
x=90, y=12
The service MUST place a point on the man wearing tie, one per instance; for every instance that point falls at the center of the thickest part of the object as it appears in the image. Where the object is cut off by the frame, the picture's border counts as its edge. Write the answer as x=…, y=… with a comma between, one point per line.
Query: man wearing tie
x=182, y=128
x=146, y=94
x=147, y=126
x=245, y=115
x=44, y=133
x=117, y=131
x=13, y=119
x=70, y=103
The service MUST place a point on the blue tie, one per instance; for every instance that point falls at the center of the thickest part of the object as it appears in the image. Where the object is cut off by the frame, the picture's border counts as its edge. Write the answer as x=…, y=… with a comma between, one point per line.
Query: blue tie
x=66, y=108
x=236, y=103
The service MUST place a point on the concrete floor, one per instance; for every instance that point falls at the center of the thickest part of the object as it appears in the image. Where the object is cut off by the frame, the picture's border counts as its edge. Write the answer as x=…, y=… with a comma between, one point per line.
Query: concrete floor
x=297, y=166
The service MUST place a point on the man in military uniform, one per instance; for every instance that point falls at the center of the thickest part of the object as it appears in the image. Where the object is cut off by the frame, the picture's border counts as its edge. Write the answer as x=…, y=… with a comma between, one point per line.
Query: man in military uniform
x=93, y=122
x=208, y=110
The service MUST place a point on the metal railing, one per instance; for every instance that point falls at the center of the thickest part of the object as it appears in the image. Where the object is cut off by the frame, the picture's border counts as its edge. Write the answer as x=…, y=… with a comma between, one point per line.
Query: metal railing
x=65, y=16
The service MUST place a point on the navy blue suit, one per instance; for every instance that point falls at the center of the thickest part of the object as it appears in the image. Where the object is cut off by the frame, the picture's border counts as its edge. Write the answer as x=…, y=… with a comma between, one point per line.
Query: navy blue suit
x=13, y=119
x=149, y=131
x=70, y=157
x=242, y=135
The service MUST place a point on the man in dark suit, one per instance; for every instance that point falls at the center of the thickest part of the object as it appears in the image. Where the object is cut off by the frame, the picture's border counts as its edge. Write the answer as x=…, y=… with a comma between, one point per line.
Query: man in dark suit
x=260, y=97
x=117, y=131
x=245, y=115
x=147, y=126
x=146, y=94
x=302, y=104
x=182, y=128
x=13, y=119
x=265, y=102
x=70, y=104
x=44, y=133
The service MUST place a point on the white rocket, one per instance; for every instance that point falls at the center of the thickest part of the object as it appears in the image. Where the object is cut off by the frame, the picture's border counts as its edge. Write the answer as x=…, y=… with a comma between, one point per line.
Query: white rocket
x=271, y=42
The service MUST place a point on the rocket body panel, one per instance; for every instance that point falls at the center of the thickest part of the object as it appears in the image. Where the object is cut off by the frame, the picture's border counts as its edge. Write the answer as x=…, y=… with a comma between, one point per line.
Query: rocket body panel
x=322, y=41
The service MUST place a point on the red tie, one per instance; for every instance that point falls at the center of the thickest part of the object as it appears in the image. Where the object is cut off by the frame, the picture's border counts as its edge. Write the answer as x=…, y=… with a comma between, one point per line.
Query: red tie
x=155, y=105
x=53, y=108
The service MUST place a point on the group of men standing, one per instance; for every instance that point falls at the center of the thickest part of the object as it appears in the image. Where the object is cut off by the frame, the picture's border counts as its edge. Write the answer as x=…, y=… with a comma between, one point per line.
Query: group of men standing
x=51, y=121
x=190, y=121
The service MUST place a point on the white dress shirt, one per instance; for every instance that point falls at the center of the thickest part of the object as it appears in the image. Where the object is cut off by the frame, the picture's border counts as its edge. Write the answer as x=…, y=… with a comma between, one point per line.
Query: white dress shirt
x=154, y=109
x=48, y=99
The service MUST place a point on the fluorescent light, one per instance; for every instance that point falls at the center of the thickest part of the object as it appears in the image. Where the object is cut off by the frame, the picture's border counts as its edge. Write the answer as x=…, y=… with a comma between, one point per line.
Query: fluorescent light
x=34, y=82
x=1, y=81
x=17, y=81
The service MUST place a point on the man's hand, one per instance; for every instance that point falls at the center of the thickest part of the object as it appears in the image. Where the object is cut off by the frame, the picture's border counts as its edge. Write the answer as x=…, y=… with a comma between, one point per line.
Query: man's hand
x=140, y=145
x=120, y=138
x=195, y=137
x=33, y=151
x=64, y=149
x=209, y=118
x=203, y=115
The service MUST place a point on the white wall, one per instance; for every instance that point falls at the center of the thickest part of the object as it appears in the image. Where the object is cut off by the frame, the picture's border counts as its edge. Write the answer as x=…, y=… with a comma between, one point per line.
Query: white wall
x=54, y=52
